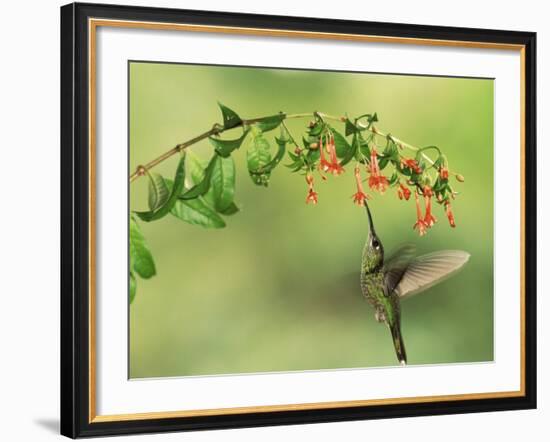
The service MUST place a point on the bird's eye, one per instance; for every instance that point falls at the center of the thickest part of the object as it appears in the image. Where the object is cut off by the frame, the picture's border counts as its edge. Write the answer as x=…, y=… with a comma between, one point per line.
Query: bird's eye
x=375, y=244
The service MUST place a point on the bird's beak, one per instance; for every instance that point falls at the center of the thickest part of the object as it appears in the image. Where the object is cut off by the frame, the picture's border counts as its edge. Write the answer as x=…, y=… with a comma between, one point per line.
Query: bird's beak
x=371, y=224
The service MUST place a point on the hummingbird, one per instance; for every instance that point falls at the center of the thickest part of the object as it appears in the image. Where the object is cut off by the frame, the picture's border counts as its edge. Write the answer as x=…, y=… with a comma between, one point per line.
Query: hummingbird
x=386, y=282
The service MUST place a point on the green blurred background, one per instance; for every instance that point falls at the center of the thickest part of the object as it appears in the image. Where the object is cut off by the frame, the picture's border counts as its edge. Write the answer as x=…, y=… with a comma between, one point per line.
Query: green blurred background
x=272, y=291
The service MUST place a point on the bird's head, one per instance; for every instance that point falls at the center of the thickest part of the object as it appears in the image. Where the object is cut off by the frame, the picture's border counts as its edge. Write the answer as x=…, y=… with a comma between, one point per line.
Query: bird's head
x=374, y=250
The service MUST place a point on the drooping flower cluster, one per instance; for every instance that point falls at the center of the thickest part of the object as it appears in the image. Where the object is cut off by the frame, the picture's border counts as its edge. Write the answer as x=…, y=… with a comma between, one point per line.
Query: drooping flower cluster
x=420, y=224
x=428, y=220
x=326, y=151
x=377, y=181
x=360, y=196
x=332, y=166
x=312, y=196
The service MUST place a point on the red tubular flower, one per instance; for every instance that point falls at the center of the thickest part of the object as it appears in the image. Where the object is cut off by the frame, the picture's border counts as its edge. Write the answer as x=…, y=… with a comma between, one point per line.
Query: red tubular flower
x=376, y=180
x=444, y=173
x=335, y=166
x=312, y=197
x=403, y=192
x=324, y=165
x=449, y=213
x=420, y=224
x=412, y=164
x=360, y=196
x=429, y=219
x=311, y=194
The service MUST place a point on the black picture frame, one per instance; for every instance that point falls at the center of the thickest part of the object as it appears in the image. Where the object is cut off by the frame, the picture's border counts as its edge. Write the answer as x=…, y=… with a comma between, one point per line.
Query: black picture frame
x=75, y=220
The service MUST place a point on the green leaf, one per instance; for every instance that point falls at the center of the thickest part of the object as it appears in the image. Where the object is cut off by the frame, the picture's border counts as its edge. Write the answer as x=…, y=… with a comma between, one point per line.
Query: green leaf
x=391, y=151
x=132, y=283
x=296, y=166
x=197, y=212
x=383, y=162
x=393, y=179
x=440, y=184
x=293, y=156
x=158, y=192
x=439, y=162
x=204, y=185
x=230, y=117
x=313, y=156
x=195, y=167
x=350, y=128
x=268, y=168
x=179, y=181
x=317, y=129
x=224, y=148
x=269, y=123
x=365, y=148
x=258, y=156
x=351, y=152
x=281, y=143
x=223, y=183
x=342, y=145
x=230, y=210
x=141, y=260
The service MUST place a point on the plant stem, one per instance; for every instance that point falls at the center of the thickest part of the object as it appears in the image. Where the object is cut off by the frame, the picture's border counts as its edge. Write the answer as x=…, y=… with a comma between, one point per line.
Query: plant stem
x=218, y=129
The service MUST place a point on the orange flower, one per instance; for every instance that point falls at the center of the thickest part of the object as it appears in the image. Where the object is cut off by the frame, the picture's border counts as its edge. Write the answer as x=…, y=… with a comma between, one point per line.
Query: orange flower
x=377, y=181
x=360, y=196
x=311, y=194
x=324, y=165
x=334, y=166
x=429, y=219
x=444, y=173
x=403, y=192
x=449, y=213
x=420, y=224
x=412, y=164
x=312, y=197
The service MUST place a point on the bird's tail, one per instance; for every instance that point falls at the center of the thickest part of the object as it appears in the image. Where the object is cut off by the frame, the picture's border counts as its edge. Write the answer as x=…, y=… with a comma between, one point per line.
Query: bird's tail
x=398, y=343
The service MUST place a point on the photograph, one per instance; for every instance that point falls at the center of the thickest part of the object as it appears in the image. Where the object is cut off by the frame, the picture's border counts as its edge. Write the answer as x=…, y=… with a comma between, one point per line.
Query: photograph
x=290, y=220
x=281, y=220
x=274, y=221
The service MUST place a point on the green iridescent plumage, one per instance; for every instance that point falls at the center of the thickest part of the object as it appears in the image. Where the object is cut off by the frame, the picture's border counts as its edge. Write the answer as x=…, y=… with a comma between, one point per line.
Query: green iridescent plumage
x=385, y=282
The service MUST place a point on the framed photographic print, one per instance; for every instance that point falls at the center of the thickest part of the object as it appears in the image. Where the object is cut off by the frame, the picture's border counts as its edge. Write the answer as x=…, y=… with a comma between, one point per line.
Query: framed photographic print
x=279, y=220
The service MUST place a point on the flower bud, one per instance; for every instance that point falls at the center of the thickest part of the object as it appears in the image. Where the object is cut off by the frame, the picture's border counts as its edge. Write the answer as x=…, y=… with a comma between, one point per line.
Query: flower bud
x=459, y=178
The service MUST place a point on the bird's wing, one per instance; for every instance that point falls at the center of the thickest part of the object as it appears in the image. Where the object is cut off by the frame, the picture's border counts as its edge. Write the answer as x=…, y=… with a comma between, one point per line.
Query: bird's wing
x=427, y=270
x=396, y=266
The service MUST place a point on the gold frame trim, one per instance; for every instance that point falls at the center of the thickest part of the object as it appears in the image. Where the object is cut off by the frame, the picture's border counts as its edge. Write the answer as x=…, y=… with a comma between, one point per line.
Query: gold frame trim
x=93, y=24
